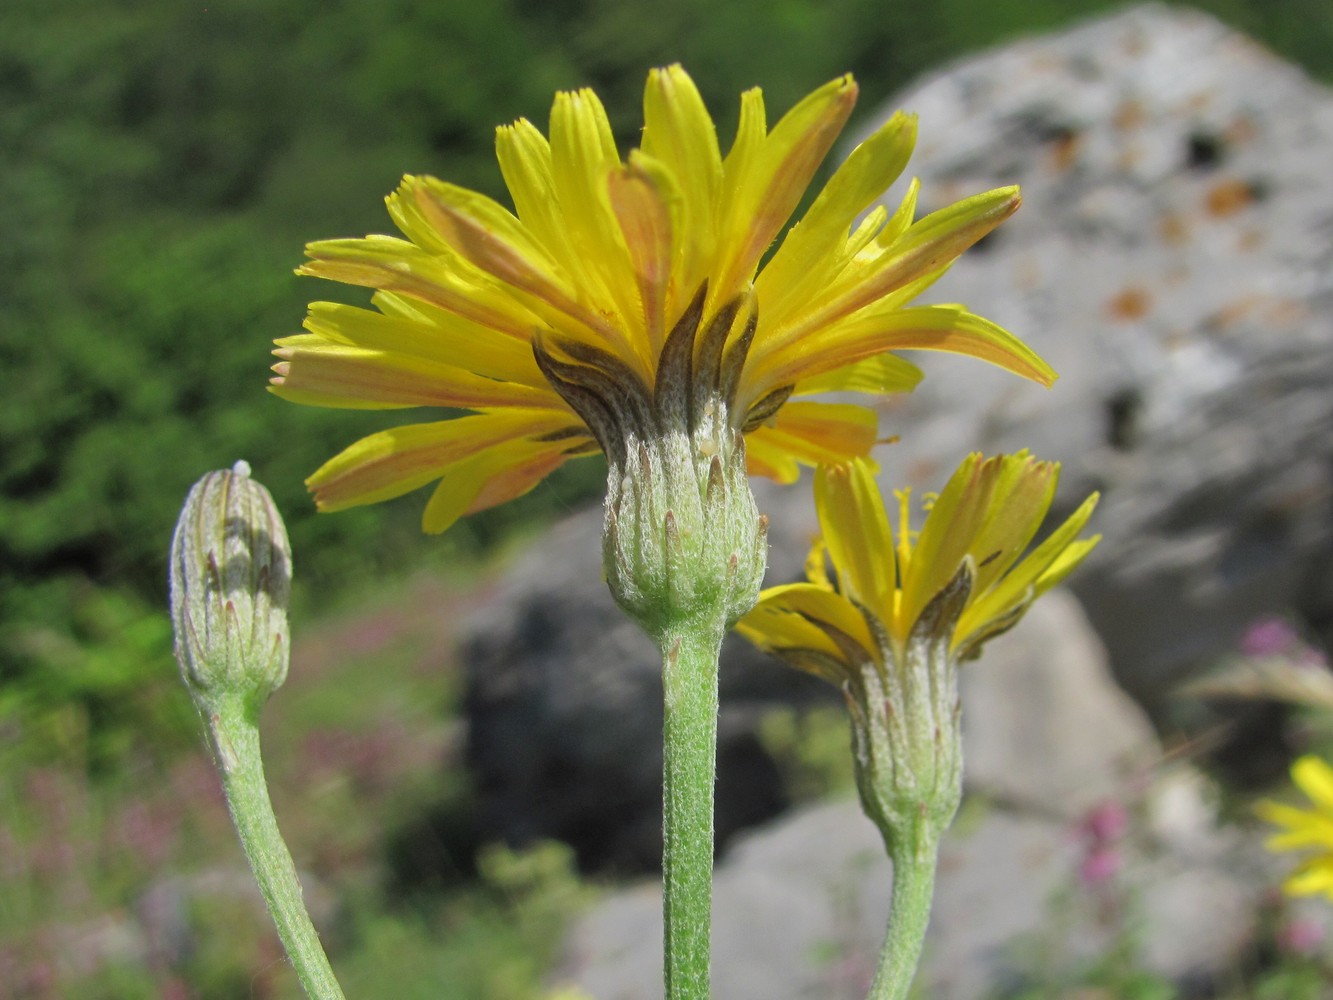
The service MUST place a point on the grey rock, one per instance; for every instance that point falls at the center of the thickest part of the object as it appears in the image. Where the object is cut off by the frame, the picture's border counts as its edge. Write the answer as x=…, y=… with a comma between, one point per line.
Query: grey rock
x=1044, y=723
x=800, y=911
x=800, y=906
x=1174, y=261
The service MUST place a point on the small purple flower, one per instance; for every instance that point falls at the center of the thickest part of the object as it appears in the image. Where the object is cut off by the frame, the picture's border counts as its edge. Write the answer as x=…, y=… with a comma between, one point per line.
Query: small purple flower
x=1107, y=822
x=1268, y=636
x=1100, y=865
x=1300, y=936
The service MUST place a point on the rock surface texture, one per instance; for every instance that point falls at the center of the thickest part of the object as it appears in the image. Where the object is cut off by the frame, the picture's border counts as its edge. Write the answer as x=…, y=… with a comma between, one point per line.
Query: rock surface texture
x=1173, y=259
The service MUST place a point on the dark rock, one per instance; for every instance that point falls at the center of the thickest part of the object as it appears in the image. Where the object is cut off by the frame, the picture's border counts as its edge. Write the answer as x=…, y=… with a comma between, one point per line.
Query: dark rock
x=564, y=710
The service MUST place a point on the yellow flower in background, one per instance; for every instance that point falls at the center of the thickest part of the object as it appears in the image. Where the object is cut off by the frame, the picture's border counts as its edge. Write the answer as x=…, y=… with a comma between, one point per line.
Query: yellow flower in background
x=955, y=584
x=1304, y=829
x=622, y=297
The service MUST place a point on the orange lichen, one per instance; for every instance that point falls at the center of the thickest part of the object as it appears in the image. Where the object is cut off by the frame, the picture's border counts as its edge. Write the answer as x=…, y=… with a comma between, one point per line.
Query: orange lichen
x=1227, y=197
x=1129, y=115
x=1172, y=229
x=1131, y=304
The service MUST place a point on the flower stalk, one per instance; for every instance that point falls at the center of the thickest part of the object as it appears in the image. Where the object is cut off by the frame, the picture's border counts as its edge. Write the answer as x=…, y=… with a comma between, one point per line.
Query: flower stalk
x=684, y=551
x=890, y=626
x=690, y=685
x=230, y=581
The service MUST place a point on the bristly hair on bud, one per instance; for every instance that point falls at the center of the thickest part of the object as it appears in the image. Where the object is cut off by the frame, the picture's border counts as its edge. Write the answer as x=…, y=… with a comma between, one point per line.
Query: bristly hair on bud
x=230, y=580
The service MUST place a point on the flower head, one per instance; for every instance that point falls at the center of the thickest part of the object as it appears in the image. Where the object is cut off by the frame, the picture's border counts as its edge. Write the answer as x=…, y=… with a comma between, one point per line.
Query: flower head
x=624, y=297
x=230, y=582
x=1305, y=829
x=892, y=622
x=958, y=581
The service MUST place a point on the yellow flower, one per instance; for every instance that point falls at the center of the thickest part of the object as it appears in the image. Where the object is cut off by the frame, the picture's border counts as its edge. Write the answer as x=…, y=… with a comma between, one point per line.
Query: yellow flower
x=892, y=623
x=957, y=583
x=624, y=295
x=1306, y=828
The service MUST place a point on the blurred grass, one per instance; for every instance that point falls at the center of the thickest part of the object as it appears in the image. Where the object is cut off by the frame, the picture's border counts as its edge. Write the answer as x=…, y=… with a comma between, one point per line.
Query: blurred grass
x=161, y=166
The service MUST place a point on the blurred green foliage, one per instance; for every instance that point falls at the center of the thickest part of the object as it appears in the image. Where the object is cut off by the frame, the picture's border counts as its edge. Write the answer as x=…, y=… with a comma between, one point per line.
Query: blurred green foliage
x=161, y=165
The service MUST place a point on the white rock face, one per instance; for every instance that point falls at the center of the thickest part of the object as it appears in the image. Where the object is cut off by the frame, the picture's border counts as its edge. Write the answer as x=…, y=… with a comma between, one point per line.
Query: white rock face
x=1173, y=259
x=1044, y=724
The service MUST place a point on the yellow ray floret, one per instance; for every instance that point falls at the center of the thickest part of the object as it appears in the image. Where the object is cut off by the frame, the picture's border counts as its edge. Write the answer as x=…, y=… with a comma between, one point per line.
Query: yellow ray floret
x=977, y=535
x=1306, y=829
x=619, y=294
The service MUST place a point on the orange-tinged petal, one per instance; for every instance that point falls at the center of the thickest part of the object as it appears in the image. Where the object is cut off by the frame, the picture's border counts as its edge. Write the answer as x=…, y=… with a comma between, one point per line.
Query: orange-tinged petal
x=484, y=233
x=766, y=455
x=353, y=377
x=757, y=201
x=396, y=461
x=642, y=195
x=494, y=476
x=856, y=531
x=822, y=432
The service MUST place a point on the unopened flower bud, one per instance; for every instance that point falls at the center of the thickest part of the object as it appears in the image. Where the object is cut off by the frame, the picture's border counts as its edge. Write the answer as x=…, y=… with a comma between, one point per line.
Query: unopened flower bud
x=230, y=580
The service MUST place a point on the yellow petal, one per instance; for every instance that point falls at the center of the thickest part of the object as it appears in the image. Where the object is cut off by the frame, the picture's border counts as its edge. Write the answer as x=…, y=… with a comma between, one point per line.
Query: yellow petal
x=856, y=531
x=947, y=535
x=821, y=607
x=879, y=375
x=583, y=153
x=494, y=476
x=525, y=164
x=396, y=461
x=927, y=246
x=1044, y=567
x=805, y=261
x=642, y=195
x=1023, y=494
x=679, y=133
x=1315, y=779
x=356, y=378
x=760, y=193
x=1299, y=823
x=395, y=265
x=822, y=432
x=951, y=329
x=417, y=330
x=1316, y=876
